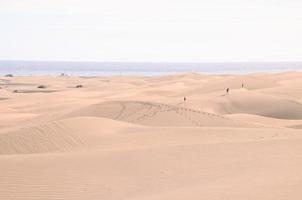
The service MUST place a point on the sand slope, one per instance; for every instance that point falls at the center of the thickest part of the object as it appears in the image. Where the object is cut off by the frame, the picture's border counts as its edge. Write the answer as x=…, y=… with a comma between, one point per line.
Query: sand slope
x=244, y=101
x=58, y=136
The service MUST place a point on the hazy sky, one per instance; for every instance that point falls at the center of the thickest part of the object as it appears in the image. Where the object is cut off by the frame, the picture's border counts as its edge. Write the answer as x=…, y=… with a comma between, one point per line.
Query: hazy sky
x=151, y=30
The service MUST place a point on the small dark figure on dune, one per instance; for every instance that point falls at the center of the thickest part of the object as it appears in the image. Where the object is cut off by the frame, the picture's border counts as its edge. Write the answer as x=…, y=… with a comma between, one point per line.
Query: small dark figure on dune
x=185, y=99
x=227, y=90
x=79, y=86
x=41, y=86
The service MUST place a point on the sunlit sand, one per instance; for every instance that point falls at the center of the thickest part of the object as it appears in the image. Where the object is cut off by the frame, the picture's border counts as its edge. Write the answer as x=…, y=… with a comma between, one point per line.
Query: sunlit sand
x=136, y=138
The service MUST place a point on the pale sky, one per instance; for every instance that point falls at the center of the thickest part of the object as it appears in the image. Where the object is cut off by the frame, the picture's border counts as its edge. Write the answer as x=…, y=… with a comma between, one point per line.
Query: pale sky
x=151, y=30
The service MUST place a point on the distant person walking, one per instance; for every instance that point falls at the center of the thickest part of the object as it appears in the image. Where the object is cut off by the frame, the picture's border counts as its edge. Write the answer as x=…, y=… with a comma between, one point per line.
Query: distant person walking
x=227, y=90
x=185, y=99
x=242, y=85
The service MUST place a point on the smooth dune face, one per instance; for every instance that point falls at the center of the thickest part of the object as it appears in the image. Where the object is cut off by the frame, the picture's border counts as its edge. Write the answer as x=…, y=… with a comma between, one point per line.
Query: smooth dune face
x=136, y=138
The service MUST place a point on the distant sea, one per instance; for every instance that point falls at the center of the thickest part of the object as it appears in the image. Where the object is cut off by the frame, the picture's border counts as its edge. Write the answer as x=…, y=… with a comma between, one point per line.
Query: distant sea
x=35, y=68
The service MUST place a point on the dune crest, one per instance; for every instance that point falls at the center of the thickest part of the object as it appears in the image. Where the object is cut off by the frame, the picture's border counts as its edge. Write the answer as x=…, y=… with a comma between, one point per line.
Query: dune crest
x=155, y=114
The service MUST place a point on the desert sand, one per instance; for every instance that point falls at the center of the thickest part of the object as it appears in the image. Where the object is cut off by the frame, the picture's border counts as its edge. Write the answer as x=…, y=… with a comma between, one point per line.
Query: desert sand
x=134, y=138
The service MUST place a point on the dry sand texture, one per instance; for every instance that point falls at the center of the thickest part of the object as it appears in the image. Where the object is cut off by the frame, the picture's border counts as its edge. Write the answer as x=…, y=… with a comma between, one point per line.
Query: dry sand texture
x=135, y=138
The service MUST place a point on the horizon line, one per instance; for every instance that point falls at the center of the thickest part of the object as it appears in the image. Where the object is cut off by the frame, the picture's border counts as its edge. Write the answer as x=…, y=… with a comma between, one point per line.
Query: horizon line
x=172, y=62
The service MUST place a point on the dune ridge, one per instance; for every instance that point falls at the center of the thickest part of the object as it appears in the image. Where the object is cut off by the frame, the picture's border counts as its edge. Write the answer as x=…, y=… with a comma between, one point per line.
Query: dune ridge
x=154, y=114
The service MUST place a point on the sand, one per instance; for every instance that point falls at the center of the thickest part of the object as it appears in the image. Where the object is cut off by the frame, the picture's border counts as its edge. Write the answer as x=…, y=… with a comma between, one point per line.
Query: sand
x=135, y=138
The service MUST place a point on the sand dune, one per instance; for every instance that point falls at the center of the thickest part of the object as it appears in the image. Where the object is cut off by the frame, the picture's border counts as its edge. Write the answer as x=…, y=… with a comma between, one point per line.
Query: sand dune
x=46, y=138
x=156, y=114
x=58, y=136
x=245, y=101
x=135, y=137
